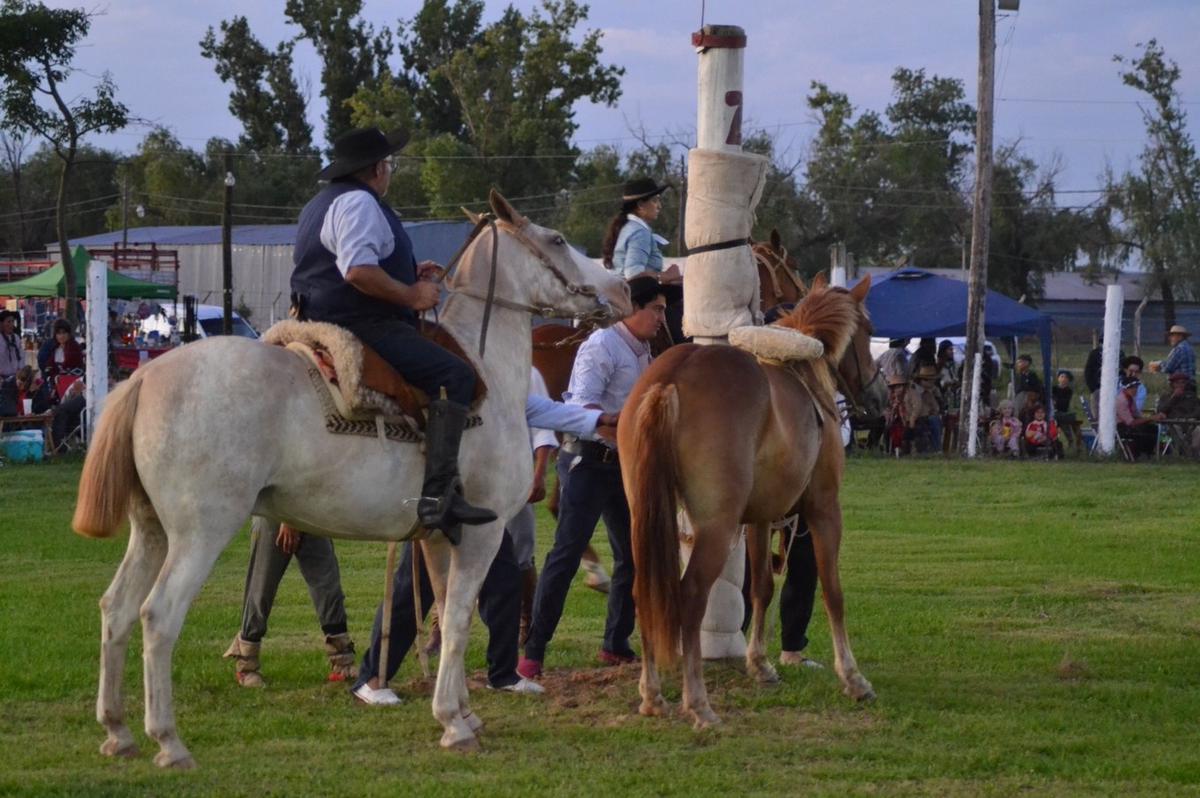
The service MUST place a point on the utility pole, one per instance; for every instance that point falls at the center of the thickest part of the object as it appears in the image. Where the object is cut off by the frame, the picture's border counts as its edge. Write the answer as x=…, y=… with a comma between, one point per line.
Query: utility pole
x=227, y=247
x=124, y=213
x=981, y=214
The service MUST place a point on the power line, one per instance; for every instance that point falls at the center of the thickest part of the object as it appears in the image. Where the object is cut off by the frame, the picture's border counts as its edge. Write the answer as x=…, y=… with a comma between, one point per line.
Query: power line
x=1080, y=101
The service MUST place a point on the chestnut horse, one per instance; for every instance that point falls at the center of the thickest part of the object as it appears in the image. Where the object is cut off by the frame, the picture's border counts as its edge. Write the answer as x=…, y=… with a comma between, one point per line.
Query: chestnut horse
x=778, y=275
x=738, y=442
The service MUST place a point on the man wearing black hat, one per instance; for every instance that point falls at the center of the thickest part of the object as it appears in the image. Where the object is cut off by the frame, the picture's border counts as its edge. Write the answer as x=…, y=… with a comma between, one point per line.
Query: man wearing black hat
x=354, y=267
x=608, y=364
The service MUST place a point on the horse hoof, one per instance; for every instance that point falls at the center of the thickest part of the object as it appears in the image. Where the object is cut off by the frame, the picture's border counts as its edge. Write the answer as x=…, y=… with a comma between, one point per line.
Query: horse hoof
x=860, y=690
x=473, y=722
x=766, y=674
x=705, y=720
x=654, y=709
x=467, y=745
x=116, y=748
x=164, y=760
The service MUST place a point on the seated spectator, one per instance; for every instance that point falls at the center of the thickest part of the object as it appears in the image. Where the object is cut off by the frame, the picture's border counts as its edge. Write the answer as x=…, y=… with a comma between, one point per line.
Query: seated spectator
x=1132, y=367
x=926, y=407
x=20, y=387
x=1062, y=393
x=1140, y=432
x=61, y=358
x=1041, y=436
x=1181, y=403
x=1028, y=389
x=68, y=413
x=1005, y=431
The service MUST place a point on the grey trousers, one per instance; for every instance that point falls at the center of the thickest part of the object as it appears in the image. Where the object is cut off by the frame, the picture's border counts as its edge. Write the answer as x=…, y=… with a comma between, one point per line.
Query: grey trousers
x=318, y=566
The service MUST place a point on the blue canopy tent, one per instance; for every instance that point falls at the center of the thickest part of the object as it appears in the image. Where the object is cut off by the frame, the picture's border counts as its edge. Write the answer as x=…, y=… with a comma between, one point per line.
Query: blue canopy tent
x=911, y=303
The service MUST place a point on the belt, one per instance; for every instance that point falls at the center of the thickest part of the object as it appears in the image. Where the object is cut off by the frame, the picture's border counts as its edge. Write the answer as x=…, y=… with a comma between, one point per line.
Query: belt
x=596, y=452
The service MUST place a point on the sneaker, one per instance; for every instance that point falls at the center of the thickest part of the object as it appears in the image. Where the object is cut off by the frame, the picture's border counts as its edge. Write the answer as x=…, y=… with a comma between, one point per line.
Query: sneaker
x=376, y=698
x=798, y=659
x=529, y=668
x=525, y=686
x=597, y=578
x=612, y=658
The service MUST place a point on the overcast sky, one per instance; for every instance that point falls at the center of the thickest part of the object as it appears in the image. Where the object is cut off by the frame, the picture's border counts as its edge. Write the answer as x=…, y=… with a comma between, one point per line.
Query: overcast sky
x=1056, y=85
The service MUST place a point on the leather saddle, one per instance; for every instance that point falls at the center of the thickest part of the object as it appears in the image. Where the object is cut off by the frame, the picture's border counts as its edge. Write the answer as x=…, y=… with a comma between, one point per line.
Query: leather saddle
x=363, y=384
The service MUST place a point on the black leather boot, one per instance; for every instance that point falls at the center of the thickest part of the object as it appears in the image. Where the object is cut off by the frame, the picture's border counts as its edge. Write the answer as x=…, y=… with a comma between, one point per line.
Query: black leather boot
x=442, y=505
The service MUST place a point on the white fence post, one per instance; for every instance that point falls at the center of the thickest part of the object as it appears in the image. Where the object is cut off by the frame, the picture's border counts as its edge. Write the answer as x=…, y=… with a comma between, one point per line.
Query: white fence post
x=96, y=362
x=1107, y=412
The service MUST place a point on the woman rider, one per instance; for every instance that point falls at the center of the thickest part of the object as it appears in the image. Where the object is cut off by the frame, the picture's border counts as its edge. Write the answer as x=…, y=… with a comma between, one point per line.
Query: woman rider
x=631, y=247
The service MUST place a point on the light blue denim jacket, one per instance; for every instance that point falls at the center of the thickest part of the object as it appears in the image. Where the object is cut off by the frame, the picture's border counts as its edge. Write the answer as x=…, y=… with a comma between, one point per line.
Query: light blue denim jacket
x=637, y=250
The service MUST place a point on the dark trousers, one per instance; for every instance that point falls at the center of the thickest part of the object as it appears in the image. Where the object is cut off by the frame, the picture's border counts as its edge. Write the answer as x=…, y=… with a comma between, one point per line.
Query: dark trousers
x=499, y=607
x=592, y=490
x=799, y=591
x=318, y=566
x=419, y=360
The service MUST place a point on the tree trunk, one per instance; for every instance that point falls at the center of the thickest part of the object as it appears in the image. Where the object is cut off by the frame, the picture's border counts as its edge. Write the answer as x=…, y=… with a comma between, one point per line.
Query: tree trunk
x=72, y=280
x=1168, y=297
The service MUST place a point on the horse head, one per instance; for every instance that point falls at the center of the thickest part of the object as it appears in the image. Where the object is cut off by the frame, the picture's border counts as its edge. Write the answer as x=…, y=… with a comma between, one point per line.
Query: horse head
x=857, y=370
x=779, y=280
x=529, y=267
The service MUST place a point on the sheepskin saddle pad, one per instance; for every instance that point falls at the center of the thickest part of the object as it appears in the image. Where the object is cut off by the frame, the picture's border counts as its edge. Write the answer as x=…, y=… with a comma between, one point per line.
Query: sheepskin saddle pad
x=363, y=390
x=776, y=344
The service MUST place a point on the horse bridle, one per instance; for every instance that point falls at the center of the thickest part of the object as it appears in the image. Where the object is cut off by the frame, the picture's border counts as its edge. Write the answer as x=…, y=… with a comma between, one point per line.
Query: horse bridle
x=774, y=266
x=601, y=313
x=844, y=387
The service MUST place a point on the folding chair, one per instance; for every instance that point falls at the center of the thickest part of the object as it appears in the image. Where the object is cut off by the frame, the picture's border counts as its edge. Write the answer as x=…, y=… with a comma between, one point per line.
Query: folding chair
x=1122, y=443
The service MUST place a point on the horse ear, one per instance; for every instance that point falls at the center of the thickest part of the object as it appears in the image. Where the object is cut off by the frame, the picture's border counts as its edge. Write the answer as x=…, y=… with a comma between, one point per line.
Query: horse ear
x=474, y=217
x=776, y=241
x=820, y=281
x=504, y=210
x=859, y=292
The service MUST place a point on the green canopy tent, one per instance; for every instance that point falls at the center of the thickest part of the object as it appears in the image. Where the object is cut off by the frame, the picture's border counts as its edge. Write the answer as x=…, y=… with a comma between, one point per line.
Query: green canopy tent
x=52, y=282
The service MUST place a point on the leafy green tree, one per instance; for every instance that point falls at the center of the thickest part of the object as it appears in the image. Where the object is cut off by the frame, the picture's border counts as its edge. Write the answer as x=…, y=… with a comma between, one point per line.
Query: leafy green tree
x=265, y=97
x=491, y=105
x=1156, y=211
x=351, y=53
x=37, y=47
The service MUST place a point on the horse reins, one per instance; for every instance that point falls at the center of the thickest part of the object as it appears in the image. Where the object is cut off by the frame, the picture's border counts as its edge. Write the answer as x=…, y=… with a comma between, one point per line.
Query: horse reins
x=490, y=299
x=774, y=266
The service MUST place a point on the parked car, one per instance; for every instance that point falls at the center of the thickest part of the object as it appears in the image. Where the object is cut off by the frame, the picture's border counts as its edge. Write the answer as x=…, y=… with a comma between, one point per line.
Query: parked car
x=209, y=320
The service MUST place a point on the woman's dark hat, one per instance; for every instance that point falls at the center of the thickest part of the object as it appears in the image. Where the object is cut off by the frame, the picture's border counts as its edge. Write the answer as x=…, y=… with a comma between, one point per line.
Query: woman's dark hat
x=360, y=148
x=644, y=287
x=641, y=188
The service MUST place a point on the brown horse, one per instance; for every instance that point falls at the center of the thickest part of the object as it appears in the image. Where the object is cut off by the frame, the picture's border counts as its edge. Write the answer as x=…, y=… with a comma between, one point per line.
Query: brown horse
x=778, y=275
x=738, y=442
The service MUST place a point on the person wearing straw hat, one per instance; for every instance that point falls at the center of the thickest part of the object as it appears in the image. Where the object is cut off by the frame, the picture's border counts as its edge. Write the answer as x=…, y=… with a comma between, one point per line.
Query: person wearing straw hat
x=354, y=266
x=1182, y=359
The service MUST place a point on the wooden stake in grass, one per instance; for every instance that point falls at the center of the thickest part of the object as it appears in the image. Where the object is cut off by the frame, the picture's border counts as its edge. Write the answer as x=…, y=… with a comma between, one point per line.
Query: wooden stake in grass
x=385, y=634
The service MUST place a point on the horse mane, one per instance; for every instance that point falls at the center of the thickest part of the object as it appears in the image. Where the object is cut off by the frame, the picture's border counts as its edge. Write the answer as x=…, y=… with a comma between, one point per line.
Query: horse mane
x=830, y=315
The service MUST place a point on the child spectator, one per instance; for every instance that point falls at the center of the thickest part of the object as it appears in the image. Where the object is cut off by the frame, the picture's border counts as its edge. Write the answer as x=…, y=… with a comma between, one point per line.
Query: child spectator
x=1063, y=392
x=1041, y=436
x=1005, y=431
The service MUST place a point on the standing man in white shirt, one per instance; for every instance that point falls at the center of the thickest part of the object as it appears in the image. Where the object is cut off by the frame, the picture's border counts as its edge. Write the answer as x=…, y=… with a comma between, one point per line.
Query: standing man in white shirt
x=606, y=368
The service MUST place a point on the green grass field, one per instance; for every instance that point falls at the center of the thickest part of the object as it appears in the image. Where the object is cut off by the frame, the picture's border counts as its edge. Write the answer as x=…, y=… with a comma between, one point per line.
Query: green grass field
x=1029, y=628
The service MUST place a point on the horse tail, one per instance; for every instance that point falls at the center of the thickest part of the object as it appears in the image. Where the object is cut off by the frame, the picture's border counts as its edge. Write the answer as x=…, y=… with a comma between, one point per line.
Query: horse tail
x=109, y=474
x=653, y=525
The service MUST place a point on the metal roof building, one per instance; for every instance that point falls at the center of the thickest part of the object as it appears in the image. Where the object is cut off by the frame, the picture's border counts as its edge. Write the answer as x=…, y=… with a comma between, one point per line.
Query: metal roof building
x=262, y=258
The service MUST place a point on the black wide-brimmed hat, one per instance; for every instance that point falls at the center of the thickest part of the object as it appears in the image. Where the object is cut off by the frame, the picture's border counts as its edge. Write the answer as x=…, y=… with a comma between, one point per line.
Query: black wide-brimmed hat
x=641, y=188
x=644, y=287
x=360, y=148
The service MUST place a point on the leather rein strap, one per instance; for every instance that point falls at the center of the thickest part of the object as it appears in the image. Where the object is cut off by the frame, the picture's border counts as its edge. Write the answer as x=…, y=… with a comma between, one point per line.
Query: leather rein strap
x=490, y=299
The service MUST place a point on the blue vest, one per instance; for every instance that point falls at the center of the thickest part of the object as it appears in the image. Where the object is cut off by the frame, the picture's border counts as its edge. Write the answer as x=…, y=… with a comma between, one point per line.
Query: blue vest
x=327, y=295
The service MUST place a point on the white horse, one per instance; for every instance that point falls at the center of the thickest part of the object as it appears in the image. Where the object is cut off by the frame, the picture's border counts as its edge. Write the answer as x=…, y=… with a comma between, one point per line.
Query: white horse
x=203, y=437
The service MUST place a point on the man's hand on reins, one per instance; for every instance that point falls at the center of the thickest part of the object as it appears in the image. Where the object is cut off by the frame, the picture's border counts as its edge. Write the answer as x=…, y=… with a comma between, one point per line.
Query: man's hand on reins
x=429, y=270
